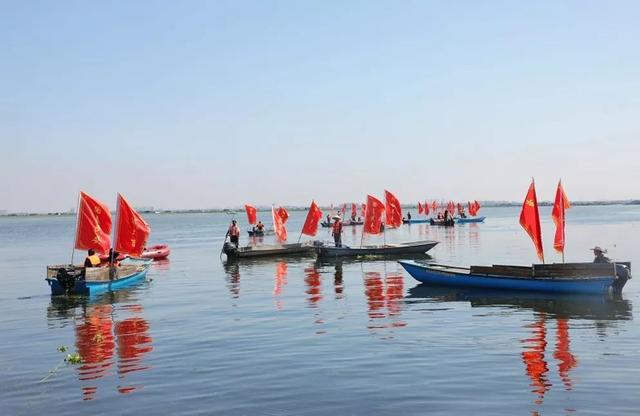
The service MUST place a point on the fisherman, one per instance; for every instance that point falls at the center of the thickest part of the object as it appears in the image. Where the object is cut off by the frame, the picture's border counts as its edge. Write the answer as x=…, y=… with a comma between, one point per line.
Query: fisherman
x=600, y=257
x=328, y=220
x=92, y=260
x=336, y=231
x=409, y=216
x=234, y=233
x=260, y=226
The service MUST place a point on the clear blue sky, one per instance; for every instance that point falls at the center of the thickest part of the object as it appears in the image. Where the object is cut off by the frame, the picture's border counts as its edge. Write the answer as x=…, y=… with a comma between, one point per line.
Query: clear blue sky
x=199, y=104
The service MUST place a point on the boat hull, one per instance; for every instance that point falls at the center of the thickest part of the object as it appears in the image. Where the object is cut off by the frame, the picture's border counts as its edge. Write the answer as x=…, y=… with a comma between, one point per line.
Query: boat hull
x=449, y=277
x=344, y=224
x=420, y=247
x=158, y=252
x=444, y=223
x=416, y=221
x=88, y=287
x=267, y=251
x=470, y=220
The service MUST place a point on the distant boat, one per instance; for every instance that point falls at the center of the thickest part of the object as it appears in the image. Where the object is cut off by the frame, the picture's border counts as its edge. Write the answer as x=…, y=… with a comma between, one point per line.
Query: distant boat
x=416, y=221
x=344, y=223
x=584, y=278
x=461, y=220
x=267, y=250
x=414, y=247
x=80, y=280
x=445, y=223
x=258, y=233
x=157, y=252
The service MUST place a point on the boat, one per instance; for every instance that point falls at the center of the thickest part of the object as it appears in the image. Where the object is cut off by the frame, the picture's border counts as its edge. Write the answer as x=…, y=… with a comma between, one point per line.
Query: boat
x=259, y=233
x=344, y=223
x=578, y=278
x=413, y=247
x=461, y=220
x=157, y=252
x=267, y=250
x=440, y=221
x=80, y=280
x=416, y=221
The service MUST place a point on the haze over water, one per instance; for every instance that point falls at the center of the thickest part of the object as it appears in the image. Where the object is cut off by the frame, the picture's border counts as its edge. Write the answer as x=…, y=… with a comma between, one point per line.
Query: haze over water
x=301, y=337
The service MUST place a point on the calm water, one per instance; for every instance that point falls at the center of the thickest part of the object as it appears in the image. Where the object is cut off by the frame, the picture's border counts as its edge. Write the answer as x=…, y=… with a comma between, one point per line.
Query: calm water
x=297, y=337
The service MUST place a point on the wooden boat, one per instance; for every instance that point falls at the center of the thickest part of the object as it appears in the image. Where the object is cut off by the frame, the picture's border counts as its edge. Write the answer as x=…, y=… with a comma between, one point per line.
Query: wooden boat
x=80, y=280
x=583, y=278
x=439, y=221
x=157, y=252
x=344, y=223
x=461, y=220
x=416, y=221
x=258, y=233
x=267, y=250
x=417, y=247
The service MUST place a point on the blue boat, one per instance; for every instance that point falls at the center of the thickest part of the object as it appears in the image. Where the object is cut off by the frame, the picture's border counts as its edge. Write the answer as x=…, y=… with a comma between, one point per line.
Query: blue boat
x=583, y=278
x=80, y=280
x=461, y=220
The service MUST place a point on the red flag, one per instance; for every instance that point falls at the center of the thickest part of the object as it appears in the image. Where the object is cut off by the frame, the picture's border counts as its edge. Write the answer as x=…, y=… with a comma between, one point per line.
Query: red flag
x=420, y=209
x=343, y=210
x=132, y=231
x=426, y=208
x=393, y=211
x=476, y=207
x=373, y=215
x=459, y=207
x=354, y=210
x=93, y=226
x=470, y=205
x=313, y=218
x=451, y=208
x=282, y=213
x=363, y=208
x=561, y=203
x=252, y=214
x=278, y=224
x=530, y=219
x=434, y=205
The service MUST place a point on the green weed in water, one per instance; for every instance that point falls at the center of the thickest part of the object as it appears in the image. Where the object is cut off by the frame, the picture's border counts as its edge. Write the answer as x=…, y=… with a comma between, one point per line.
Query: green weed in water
x=74, y=358
x=62, y=348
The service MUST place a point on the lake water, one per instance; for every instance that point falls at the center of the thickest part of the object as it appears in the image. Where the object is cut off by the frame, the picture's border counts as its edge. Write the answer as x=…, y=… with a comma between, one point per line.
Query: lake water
x=299, y=337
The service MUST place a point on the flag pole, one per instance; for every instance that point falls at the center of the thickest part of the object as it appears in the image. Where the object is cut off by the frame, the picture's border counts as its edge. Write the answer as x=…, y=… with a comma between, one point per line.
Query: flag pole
x=73, y=249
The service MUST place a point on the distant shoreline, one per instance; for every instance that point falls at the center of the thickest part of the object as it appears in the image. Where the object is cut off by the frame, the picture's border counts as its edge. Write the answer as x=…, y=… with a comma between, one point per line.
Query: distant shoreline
x=484, y=204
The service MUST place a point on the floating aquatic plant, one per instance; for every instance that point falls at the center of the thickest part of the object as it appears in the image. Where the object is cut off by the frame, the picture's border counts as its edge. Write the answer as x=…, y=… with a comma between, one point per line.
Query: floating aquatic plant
x=62, y=348
x=74, y=358
x=98, y=338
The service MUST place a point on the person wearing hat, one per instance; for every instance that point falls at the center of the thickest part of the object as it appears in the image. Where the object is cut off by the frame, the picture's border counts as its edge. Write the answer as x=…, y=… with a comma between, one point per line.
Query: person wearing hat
x=600, y=257
x=234, y=233
x=336, y=231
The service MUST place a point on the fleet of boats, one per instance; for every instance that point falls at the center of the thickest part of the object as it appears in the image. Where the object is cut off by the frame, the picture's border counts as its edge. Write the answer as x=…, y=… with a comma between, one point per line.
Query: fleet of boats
x=127, y=261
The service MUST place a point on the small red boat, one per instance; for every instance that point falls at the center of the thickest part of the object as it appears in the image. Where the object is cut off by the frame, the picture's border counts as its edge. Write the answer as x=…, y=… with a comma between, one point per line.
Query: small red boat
x=157, y=252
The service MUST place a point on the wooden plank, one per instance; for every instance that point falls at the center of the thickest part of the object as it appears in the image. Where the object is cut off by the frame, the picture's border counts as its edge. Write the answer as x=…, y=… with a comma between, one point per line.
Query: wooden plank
x=559, y=270
x=503, y=270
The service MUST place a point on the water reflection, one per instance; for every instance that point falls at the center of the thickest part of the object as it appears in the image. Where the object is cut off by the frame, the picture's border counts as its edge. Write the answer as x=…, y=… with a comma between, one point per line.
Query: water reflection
x=548, y=310
x=232, y=276
x=314, y=285
x=105, y=338
x=384, y=300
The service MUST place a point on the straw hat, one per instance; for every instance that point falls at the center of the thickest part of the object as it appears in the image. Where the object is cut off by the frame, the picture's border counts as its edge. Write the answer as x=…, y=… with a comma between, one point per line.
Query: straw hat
x=598, y=248
x=336, y=217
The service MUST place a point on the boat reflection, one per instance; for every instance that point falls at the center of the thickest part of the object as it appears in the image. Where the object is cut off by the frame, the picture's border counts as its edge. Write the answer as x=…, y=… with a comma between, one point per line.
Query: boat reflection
x=548, y=310
x=108, y=334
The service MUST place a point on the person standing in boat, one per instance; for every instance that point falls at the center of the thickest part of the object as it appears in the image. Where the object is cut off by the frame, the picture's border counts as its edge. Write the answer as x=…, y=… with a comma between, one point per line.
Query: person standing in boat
x=408, y=216
x=336, y=231
x=328, y=220
x=600, y=257
x=92, y=260
x=234, y=233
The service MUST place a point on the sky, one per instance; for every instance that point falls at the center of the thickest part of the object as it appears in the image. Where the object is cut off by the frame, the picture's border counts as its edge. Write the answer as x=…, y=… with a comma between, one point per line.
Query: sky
x=210, y=104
